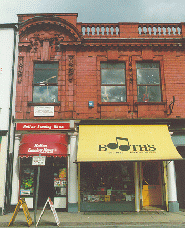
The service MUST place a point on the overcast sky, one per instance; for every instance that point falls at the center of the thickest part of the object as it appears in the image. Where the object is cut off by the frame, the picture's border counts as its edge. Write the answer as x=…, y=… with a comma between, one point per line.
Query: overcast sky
x=110, y=11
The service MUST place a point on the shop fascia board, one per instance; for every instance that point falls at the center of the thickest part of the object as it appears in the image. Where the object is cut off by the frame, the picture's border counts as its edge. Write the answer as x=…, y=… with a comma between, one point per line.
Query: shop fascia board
x=170, y=122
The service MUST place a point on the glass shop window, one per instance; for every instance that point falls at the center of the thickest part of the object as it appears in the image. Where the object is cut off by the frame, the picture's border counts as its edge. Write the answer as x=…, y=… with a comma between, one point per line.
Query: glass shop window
x=27, y=177
x=107, y=182
x=148, y=82
x=45, y=87
x=113, y=87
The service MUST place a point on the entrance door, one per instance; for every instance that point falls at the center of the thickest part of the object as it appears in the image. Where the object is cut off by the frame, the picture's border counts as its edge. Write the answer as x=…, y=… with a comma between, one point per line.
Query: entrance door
x=46, y=186
x=152, y=192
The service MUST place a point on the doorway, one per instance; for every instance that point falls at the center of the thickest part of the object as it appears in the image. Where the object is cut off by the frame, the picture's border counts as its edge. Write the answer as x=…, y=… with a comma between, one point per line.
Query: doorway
x=46, y=186
x=152, y=187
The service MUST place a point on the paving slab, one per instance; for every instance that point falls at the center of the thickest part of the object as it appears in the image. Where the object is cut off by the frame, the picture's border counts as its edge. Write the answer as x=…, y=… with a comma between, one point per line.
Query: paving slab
x=97, y=219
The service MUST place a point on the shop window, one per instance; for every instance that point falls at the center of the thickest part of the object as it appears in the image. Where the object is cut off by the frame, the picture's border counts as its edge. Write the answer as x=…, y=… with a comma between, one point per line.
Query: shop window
x=113, y=88
x=107, y=182
x=27, y=180
x=45, y=88
x=148, y=82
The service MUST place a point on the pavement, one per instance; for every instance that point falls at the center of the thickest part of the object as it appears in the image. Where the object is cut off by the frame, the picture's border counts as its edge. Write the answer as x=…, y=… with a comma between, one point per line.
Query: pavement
x=99, y=219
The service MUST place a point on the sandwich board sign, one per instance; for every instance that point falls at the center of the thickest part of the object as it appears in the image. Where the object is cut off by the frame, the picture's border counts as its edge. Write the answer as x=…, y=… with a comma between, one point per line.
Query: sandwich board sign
x=52, y=209
x=22, y=203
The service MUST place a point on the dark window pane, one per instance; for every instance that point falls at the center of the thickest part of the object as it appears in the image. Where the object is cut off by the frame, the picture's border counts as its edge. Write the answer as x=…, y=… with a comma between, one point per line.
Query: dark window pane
x=46, y=73
x=46, y=76
x=113, y=93
x=147, y=65
x=45, y=94
x=148, y=76
x=148, y=93
x=113, y=76
x=112, y=65
x=46, y=65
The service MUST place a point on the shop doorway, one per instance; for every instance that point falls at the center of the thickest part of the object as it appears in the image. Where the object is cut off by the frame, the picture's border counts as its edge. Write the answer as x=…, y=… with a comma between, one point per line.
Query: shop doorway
x=46, y=186
x=152, y=191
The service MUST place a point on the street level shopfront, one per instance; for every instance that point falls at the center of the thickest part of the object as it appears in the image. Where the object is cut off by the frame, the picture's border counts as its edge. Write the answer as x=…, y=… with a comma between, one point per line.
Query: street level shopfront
x=126, y=167
x=50, y=152
x=50, y=146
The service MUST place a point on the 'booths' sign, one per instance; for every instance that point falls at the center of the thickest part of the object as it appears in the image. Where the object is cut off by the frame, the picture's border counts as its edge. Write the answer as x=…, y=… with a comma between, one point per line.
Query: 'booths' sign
x=122, y=144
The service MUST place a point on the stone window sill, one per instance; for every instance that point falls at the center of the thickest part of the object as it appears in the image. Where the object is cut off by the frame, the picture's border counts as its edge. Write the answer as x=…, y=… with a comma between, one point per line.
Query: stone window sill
x=43, y=104
x=114, y=104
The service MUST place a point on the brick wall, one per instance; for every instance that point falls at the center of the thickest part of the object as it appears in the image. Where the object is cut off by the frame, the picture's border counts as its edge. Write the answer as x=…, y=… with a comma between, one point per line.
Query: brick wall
x=79, y=76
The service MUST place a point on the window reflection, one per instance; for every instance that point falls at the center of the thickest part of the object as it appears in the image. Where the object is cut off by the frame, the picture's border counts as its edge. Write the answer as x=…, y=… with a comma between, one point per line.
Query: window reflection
x=45, y=94
x=45, y=80
x=148, y=81
x=113, y=88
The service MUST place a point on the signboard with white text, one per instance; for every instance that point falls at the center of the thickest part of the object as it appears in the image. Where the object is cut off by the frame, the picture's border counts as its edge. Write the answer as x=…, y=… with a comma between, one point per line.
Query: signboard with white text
x=42, y=126
x=38, y=160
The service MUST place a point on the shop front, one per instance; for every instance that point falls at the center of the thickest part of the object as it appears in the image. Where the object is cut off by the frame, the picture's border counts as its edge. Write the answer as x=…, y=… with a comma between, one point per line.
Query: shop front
x=125, y=167
x=49, y=151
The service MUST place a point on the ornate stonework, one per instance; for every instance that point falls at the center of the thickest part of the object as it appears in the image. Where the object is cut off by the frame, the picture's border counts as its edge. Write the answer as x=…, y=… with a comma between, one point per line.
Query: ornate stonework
x=37, y=40
x=71, y=68
x=130, y=70
x=20, y=69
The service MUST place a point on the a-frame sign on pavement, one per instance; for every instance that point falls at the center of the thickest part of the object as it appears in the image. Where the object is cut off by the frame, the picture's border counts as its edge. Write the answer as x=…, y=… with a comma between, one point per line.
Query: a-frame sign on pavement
x=22, y=203
x=52, y=209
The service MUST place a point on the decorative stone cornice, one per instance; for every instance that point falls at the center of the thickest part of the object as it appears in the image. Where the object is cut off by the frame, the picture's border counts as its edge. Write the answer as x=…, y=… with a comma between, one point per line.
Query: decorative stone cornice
x=47, y=23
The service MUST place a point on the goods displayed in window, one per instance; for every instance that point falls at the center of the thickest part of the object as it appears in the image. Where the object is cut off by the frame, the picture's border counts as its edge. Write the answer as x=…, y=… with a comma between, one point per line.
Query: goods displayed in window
x=107, y=182
x=27, y=181
x=60, y=182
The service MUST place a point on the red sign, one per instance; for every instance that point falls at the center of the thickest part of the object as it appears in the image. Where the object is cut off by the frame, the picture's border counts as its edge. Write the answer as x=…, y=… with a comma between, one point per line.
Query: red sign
x=42, y=126
x=44, y=145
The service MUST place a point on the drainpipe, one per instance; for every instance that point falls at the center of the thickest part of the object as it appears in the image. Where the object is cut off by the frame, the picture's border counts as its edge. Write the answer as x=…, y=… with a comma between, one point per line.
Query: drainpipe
x=9, y=165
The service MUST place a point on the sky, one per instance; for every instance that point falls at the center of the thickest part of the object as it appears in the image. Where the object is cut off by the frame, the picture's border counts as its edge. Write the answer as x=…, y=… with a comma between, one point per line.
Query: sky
x=99, y=11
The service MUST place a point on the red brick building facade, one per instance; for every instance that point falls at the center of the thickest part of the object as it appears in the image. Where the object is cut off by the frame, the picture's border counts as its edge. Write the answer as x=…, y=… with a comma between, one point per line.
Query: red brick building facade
x=94, y=73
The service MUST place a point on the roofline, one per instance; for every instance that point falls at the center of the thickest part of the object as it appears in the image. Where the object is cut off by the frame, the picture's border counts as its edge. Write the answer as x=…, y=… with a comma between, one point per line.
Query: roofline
x=9, y=25
x=49, y=14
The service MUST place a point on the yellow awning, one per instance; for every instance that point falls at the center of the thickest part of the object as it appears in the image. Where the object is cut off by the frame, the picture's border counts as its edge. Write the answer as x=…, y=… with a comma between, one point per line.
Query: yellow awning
x=99, y=143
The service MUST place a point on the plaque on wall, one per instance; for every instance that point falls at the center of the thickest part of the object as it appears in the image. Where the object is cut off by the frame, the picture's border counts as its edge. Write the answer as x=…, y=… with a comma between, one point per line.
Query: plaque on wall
x=44, y=111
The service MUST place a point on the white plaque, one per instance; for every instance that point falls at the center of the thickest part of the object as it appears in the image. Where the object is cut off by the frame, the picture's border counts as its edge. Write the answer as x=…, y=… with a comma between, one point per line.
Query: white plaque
x=43, y=110
x=38, y=160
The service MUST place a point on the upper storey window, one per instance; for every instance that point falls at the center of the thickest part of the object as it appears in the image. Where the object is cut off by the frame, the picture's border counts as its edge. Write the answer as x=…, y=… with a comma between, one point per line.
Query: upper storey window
x=45, y=87
x=113, y=88
x=148, y=82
